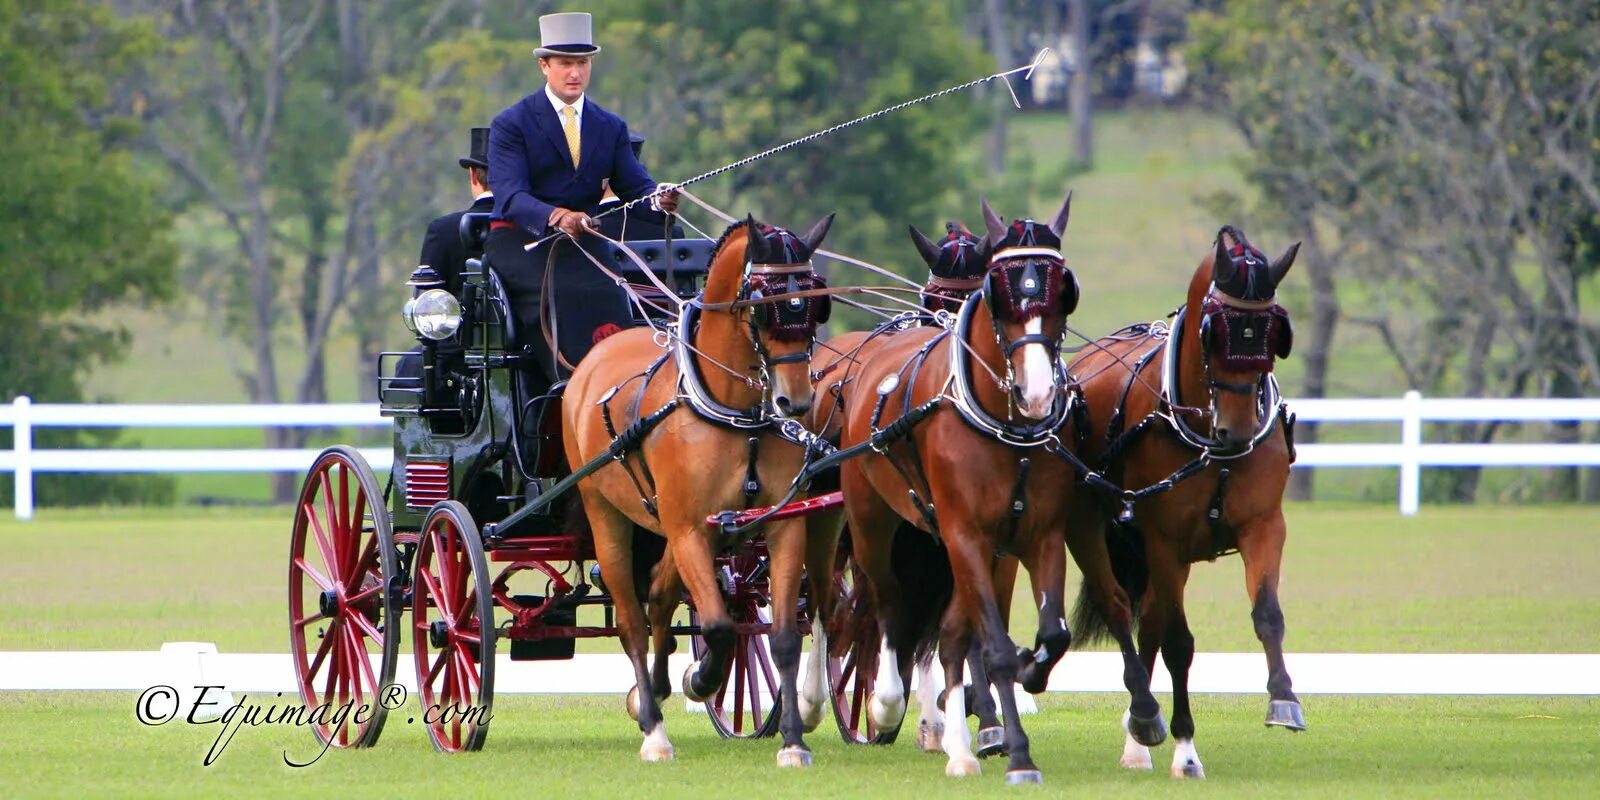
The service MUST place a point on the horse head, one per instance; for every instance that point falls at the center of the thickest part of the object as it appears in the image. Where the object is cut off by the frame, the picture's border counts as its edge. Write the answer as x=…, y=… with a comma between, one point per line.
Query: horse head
x=777, y=264
x=1241, y=330
x=956, y=266
x=1029, y=291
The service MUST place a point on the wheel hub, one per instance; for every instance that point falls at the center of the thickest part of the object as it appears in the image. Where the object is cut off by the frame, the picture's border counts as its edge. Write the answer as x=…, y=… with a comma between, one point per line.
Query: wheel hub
x=438, y=634
x=328, y=603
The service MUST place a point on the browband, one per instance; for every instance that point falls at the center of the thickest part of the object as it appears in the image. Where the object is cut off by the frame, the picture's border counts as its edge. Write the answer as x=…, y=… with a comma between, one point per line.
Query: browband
x=1026, y=252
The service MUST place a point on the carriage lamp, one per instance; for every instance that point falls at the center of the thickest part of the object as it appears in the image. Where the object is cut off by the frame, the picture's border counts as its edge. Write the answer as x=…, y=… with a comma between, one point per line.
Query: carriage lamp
x=434, y=313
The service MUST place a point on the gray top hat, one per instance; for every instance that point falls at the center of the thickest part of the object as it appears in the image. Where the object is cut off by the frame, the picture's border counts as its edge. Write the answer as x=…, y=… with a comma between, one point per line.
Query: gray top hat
x=568, y=34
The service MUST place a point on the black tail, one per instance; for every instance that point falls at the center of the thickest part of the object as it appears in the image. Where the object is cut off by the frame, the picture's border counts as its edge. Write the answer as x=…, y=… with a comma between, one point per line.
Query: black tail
x=1125, y=545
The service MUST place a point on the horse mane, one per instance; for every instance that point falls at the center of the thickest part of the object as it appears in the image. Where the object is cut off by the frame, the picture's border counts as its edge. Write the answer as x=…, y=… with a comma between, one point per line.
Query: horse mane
x=714, y=291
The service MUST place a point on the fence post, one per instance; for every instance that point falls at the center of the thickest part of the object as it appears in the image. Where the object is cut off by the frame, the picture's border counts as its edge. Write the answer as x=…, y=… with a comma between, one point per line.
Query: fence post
x=22, y=445
x=1411, y=453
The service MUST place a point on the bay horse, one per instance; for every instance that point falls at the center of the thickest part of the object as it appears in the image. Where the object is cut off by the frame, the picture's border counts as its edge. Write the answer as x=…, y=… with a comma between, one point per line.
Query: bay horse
x=956, y=268
x=1196, y=405
x=961, y=455
x=734, y=362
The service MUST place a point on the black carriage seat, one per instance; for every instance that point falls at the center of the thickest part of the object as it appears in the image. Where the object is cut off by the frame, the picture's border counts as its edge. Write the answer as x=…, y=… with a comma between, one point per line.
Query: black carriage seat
x=683, y=269
x=474, y=231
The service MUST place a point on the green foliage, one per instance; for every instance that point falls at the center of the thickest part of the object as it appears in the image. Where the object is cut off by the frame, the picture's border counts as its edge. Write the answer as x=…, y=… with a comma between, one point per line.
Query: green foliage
x=80, y=228
x=711, y=81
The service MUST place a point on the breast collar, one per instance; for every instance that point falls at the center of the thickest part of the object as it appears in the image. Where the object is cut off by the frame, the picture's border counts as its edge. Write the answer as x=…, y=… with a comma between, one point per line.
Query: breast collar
x=959, y=390
x=1267, y=399
x=692, y=388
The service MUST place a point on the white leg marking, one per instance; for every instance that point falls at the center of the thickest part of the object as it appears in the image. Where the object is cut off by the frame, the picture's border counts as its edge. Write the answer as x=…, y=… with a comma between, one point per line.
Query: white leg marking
x=813, y=697
x=1134, y=755
x=930, y=718
x=1186, y=760
x=888, y=695
x=957, y=739
x=1038, y=379
x=656, y=747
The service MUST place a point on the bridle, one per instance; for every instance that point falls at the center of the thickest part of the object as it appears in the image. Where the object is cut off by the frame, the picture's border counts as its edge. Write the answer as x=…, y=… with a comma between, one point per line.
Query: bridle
x=1263, y=316
x=1018, y=269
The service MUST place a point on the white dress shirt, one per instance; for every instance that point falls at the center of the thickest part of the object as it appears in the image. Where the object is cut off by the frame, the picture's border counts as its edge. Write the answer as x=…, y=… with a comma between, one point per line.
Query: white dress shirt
x=558, y=105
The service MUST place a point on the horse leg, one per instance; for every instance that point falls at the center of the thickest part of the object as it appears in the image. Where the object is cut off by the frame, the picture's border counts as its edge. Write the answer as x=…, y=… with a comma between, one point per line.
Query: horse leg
x=1178, y=652
x=786, y=543
x=930, y=716
x=666, y=591
x=613, y=545
x=872, y=529
x=1261, y=547
x=980, y=703
x=692, y=553
x=1086, y=540
x=1047, y=570
x=955, y=644
x=823, y=529
x=972, y=566
x=1152, y=622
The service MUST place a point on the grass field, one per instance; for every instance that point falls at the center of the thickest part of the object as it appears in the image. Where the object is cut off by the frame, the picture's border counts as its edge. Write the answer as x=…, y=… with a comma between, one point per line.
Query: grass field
x=72, y=745
x=1356, y=579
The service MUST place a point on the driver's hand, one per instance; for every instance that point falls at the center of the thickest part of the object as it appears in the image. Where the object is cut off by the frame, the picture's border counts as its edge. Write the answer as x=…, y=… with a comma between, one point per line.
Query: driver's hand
x=573, y=223
x=668, y=201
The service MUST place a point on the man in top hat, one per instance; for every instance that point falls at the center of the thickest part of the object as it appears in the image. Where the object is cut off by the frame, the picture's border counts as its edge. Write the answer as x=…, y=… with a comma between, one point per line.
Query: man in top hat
x=551, y=154
x=442, y=247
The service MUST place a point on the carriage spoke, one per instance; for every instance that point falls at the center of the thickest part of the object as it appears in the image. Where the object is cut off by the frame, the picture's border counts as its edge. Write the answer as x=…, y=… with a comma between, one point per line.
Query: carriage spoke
x=438, y=665
x=301, y=622
x=435, y=592
x=335, y=539
x=316, y=577
x=358, y=653
x=471, y=683
x=316, y=663
x=367, y=562
x=366, y=627
x=469, y=636
x=738, y=690
x=335, y=656
x=364, y=595
x=323, y=545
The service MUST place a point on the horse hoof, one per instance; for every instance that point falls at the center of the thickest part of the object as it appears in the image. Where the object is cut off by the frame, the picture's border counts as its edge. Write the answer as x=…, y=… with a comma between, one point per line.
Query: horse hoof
x=991, y=742
x=1189, y=769
x=633, y=703
x=930, y=737
x=1286, y=714
x=962, y=767
x=795, y=755
x=1140, y=760
x=688, y=683
x=1148, y=732
x=1023, y=777
x=653, y=753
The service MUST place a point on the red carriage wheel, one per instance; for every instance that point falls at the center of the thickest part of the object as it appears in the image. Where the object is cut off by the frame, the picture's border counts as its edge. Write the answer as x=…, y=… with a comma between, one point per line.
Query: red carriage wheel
x=747, y=706
x=853, y=641
x=341, y=615
x=453, y=631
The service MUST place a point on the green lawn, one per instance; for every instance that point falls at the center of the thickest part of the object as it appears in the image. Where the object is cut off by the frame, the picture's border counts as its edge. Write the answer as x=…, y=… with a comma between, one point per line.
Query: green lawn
x=1514, y=579
x=78, y=744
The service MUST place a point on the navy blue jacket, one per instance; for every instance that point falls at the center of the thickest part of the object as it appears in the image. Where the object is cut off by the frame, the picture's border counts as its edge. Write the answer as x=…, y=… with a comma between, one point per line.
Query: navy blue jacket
x=530, y=167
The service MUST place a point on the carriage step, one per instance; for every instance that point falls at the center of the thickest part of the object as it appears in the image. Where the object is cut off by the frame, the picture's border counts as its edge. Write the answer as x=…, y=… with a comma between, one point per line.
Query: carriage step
x=551, y=649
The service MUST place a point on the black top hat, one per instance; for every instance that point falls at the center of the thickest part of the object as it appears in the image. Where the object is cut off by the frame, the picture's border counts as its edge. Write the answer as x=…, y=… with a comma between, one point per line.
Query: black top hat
x=480, y=150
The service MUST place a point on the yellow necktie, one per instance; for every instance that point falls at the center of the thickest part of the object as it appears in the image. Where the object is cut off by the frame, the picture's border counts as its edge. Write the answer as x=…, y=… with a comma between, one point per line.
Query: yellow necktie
x=570, y=126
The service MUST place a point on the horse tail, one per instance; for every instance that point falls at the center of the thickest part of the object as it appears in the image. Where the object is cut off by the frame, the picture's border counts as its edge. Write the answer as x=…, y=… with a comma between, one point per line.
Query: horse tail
x=922, y=567
x=1125, y=546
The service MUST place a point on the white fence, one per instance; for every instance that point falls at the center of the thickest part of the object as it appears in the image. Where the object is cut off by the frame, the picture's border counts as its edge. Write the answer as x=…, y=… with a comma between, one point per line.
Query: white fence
x=1409, y=454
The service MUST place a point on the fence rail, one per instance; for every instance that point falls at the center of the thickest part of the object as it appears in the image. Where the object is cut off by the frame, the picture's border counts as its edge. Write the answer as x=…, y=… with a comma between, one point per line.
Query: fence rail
x=1410, y=454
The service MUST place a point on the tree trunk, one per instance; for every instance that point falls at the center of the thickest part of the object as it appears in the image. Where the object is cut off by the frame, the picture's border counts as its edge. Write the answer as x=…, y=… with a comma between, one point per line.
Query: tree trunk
x=1081, y=104
x=995, y=22
x=1324, y=319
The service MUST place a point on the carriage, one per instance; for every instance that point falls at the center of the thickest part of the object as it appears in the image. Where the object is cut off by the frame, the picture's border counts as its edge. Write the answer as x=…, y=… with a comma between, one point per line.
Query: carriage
x=471, y=543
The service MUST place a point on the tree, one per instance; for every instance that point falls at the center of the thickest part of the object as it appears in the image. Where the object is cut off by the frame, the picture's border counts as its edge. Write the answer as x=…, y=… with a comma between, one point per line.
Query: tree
x=709, y=81
x=80, y=228
x=1443, y=144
